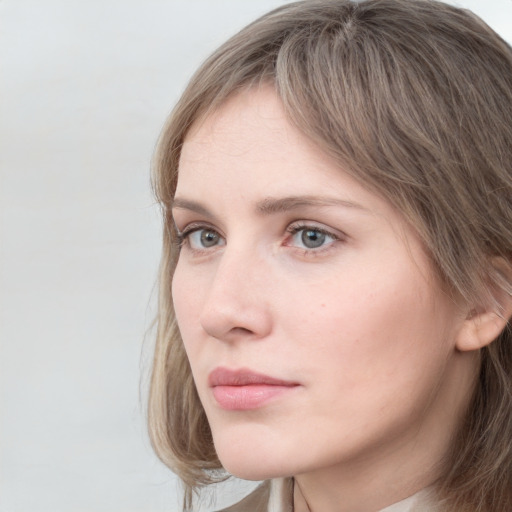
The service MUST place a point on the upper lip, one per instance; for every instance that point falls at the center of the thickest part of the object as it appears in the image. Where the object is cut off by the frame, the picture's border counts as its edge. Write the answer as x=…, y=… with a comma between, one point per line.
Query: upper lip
x=243, y=377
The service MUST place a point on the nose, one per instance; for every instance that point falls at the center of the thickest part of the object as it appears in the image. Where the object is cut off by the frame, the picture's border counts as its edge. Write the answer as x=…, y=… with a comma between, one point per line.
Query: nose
x=236, y=306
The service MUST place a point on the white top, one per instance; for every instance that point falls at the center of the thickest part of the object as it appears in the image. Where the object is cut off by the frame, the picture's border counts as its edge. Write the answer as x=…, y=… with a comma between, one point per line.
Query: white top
x=277, y=496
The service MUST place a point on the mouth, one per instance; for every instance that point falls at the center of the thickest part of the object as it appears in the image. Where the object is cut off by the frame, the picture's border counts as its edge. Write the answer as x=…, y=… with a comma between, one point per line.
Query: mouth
x=242, y=390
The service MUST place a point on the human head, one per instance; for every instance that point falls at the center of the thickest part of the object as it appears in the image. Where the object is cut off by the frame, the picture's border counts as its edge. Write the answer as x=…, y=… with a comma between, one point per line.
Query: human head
x=417, y=110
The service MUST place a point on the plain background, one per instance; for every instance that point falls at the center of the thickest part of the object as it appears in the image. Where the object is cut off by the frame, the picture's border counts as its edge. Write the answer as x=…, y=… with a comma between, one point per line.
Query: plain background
x=84, y=90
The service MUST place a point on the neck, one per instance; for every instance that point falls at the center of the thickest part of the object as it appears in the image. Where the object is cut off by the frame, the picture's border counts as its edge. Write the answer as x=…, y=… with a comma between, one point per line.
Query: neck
x=357, y=490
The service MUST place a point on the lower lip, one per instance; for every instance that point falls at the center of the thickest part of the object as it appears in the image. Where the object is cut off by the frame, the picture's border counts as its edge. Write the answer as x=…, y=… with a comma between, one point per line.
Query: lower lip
x=244, y=398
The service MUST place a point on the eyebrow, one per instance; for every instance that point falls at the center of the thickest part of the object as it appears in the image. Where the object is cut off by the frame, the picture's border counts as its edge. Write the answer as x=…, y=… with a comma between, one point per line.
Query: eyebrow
x=193, y=206
x=270, y=205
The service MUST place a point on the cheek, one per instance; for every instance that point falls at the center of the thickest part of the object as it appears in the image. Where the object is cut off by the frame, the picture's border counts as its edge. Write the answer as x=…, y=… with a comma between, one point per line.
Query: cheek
x=179, y=293
x=186, y=303
x=367, y=330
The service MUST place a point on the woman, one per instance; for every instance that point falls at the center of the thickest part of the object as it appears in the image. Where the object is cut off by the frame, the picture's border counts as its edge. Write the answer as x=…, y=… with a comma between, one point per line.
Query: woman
x=336, y=182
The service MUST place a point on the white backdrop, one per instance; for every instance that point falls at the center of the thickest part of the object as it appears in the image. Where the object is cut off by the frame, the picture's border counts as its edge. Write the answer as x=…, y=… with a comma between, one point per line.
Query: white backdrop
x=84, y=90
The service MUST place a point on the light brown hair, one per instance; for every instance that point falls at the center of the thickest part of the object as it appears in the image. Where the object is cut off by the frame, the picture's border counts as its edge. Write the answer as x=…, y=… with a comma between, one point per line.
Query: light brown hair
x=414, y=98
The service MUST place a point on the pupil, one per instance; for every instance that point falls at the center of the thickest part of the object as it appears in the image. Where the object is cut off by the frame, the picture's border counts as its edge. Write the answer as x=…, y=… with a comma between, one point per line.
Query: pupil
x=209, y=238
x=312, y=238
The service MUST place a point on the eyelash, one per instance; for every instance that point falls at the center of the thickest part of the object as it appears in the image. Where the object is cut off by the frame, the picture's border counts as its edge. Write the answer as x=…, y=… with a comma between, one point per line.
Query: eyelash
x=183, y=237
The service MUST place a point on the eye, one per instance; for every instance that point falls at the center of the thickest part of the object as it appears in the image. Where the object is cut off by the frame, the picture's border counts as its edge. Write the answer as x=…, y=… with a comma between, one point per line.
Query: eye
x=310, y=237
x=199, y=239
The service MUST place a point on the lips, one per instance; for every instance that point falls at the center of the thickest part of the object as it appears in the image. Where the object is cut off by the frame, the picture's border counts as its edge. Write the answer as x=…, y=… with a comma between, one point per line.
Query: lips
x=240, y=390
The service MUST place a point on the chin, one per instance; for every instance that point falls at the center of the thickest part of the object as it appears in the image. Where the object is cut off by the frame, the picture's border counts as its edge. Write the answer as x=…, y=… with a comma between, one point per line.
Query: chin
x=250, y=458
x=248, y=468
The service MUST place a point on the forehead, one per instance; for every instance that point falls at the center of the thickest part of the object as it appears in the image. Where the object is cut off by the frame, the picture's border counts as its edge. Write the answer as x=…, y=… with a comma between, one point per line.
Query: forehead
x=249, y=139
x=249, y=123
x=248, y=147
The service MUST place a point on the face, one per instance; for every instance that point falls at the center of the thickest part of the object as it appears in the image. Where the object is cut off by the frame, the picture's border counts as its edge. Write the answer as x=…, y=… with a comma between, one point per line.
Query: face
x=315, y=329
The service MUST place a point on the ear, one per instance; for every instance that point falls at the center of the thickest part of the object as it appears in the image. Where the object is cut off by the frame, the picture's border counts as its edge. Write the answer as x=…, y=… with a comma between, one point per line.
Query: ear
x=485, y=322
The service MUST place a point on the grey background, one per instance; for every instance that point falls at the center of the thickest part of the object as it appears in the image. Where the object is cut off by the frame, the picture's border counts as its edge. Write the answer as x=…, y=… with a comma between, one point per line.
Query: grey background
x=84, y=90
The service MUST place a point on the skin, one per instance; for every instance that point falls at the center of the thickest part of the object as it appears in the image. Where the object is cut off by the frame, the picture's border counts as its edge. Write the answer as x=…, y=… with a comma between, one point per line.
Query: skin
x=358, y=322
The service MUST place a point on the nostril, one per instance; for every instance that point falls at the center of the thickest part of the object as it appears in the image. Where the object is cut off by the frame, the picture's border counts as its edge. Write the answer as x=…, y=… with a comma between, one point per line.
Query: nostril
x=241, y=330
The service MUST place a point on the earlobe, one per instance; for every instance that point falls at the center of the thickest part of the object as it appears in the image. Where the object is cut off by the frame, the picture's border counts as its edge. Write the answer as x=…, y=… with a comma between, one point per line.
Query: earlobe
x=483, y=325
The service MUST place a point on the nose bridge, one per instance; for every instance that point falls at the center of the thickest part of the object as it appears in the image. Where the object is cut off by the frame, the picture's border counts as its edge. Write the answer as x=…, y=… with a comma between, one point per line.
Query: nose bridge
x=237, y=302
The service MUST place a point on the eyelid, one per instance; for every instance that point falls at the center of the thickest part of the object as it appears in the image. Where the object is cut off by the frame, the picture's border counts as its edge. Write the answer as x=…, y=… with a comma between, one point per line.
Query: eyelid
x=194, y=226
x=297, y=226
